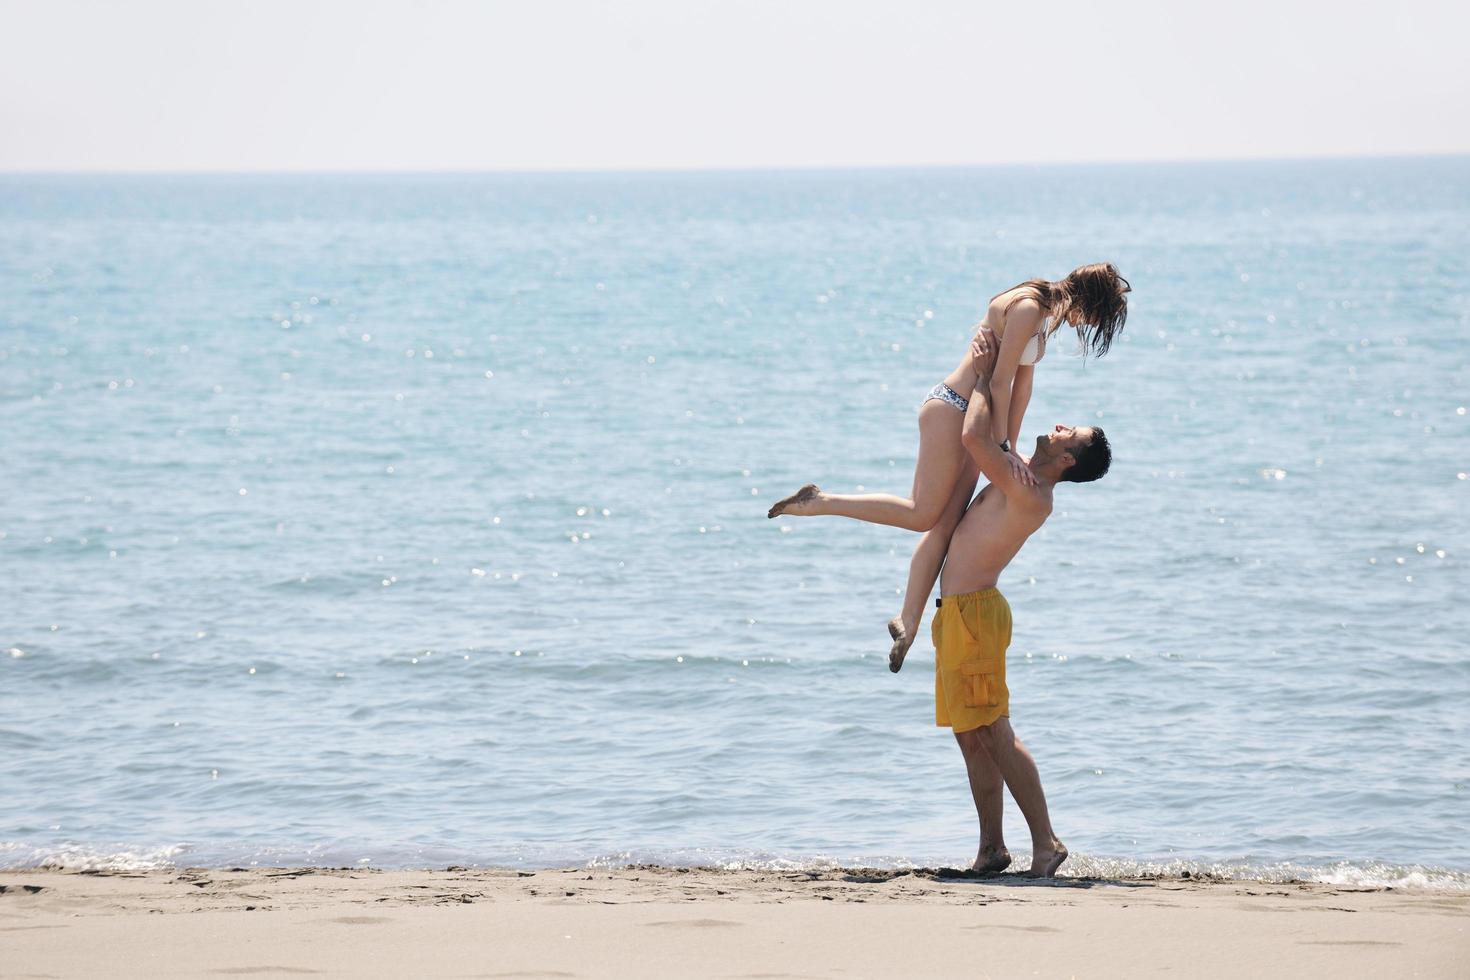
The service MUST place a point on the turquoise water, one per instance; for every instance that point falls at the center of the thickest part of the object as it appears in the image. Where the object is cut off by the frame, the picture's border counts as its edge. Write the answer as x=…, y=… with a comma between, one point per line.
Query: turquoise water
x=421, y=520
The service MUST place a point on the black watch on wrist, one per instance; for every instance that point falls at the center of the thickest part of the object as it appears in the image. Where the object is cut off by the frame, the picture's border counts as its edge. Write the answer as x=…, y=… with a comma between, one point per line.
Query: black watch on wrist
x=1005, y=445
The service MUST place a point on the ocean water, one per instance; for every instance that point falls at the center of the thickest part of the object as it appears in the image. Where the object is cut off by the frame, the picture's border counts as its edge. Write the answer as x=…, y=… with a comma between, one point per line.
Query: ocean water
x=420, y=520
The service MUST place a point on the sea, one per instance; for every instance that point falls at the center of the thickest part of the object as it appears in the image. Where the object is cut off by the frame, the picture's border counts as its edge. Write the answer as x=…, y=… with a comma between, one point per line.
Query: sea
x=420, y=520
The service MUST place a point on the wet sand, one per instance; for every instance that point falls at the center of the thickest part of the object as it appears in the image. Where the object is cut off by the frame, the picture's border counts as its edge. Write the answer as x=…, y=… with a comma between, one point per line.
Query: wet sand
x=656, y=922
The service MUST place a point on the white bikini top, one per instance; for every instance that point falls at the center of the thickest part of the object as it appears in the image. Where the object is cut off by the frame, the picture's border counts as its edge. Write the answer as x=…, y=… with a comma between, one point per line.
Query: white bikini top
x=1035, y=347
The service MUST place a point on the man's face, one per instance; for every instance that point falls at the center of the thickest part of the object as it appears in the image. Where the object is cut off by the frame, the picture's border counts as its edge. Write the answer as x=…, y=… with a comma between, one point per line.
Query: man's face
x=1064, y=439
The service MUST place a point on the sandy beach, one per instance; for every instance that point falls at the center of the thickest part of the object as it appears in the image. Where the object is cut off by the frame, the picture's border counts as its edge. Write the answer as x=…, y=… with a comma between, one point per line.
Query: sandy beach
x=651, y=921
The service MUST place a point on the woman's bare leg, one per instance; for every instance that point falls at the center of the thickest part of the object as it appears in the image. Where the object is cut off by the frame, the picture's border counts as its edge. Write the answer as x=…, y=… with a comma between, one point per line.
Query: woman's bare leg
x=925, y=565
x=941, y=457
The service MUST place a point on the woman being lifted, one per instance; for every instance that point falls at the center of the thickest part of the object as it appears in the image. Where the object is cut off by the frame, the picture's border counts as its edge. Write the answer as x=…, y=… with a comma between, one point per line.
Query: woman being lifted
x=1092, y=300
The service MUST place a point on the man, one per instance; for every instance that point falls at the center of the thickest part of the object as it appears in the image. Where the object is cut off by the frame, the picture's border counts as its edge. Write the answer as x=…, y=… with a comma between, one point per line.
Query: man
x=972, y=626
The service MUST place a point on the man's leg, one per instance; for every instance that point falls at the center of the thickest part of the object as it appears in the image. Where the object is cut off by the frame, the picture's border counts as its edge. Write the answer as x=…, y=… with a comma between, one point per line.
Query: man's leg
x=1019, y=770
x=985, y=787
x=925, y=565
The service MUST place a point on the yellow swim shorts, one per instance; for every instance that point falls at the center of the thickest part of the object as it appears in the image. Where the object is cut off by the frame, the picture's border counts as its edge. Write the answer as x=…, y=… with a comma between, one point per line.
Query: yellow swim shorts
x=971, y=632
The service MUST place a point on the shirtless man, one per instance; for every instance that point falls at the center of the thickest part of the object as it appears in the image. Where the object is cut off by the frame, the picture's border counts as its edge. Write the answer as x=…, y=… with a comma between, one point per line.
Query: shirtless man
x=972, y=626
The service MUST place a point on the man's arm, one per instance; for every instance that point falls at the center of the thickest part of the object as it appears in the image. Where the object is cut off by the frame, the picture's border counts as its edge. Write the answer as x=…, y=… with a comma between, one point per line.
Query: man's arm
x=977, y=432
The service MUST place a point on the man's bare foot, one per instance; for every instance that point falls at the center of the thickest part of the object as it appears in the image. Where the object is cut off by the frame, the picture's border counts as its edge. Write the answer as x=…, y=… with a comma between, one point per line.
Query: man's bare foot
x=1044, y=863
x=797, y=504
x=903, y=638
x=991, y=860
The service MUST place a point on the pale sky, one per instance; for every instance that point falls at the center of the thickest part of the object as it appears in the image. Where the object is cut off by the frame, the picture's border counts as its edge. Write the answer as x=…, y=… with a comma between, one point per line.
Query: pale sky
x=185, y=85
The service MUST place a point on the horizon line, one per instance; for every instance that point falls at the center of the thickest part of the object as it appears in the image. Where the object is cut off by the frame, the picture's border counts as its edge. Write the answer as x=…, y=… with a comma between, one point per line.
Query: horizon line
x=772, y=168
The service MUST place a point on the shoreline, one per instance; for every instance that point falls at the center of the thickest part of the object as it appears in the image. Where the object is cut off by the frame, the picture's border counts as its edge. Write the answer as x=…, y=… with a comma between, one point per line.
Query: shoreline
x=647, y=920
x=1369, y=874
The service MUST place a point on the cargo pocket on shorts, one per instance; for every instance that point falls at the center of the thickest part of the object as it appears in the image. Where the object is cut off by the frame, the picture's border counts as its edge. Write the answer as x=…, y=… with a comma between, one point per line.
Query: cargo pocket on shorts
x=979, y=685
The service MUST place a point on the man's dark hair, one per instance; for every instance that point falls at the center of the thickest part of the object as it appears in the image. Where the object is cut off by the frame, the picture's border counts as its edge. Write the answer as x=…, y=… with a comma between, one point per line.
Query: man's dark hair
x=1092, y=460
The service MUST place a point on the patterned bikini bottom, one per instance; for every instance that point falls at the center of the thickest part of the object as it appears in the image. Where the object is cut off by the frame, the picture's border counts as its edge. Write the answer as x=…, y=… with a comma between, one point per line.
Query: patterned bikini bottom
x=947, y=395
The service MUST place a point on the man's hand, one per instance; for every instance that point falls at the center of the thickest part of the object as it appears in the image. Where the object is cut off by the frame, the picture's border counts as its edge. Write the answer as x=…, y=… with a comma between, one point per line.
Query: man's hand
x=984, y=350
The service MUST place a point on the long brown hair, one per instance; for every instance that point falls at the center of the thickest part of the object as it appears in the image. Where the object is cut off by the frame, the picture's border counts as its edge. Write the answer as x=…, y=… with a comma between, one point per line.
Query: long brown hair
x=1096, y=296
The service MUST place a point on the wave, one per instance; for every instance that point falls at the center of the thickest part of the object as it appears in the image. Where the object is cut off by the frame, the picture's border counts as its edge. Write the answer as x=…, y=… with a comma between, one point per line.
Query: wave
x=81, y=857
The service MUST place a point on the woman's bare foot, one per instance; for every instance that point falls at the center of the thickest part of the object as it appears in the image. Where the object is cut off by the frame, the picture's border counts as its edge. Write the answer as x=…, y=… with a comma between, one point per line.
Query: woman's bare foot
x=992, y=860
x=798, y=504
x=1044, y=863
x=903, y=638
